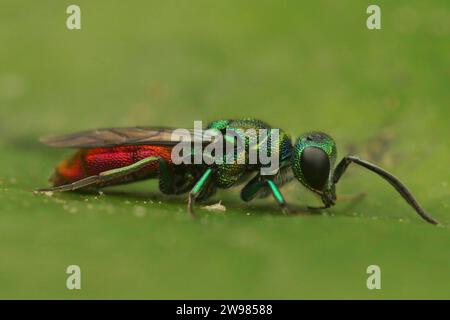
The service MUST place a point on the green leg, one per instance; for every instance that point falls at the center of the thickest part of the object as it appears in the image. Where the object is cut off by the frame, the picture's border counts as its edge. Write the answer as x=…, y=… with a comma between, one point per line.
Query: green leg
x=103, y=176
x=256, y=184
x=197, y=189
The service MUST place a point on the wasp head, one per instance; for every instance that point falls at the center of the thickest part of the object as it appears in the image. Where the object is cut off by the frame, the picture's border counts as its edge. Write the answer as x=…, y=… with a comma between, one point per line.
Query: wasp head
x=313, y=162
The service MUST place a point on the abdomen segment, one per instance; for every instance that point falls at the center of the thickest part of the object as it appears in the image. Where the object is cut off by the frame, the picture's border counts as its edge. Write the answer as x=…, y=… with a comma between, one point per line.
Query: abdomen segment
x=90, y=162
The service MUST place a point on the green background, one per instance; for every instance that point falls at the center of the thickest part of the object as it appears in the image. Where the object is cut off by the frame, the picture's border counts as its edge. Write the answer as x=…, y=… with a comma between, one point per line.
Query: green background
x=381, y=94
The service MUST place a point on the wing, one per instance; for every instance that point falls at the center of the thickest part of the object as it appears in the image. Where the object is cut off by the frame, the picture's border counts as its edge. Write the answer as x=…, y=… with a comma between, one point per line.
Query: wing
x=111, y=137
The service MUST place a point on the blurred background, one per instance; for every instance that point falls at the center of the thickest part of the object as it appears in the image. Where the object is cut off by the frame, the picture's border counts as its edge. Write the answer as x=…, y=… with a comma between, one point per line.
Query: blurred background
x=383, y=94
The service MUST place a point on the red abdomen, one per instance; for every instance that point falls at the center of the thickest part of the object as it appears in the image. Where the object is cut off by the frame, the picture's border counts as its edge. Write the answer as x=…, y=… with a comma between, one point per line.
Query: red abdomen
x=89, y=162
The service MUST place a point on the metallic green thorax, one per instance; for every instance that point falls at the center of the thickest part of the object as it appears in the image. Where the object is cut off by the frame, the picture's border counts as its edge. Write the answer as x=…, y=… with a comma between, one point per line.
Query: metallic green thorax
x=231, y=172
x=318, y=140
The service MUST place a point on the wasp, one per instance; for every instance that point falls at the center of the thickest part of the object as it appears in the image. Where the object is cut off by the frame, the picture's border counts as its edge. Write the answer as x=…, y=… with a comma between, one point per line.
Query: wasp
x=114, y=156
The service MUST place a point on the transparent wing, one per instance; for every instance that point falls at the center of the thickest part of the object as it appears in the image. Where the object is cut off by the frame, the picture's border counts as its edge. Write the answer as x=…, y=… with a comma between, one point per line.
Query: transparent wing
x=111, y=137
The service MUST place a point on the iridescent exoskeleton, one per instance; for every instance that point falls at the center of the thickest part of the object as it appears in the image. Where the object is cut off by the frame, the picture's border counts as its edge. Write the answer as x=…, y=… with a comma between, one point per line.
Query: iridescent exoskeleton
x=115, y=156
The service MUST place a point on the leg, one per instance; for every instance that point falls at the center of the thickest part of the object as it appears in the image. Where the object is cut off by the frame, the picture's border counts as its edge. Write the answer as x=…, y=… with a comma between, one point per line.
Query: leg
x=197, y=189
x=255, y=185
x=171, y=181
x=397, y=184
x=329, y=204
x=166, y=178
x=103, y=176
x=326, y=206
x=351, y=197
x=278, y=196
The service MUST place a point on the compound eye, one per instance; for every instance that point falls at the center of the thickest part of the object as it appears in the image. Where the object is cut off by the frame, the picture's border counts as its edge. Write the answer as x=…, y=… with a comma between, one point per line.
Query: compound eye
x=315, y=166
